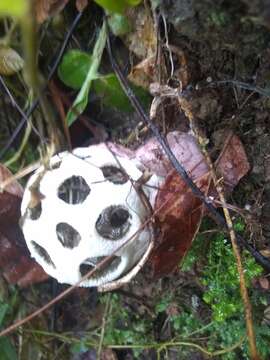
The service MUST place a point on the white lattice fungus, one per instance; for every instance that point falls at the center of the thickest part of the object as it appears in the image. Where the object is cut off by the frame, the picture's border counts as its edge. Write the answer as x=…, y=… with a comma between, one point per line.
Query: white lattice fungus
x=88, y=207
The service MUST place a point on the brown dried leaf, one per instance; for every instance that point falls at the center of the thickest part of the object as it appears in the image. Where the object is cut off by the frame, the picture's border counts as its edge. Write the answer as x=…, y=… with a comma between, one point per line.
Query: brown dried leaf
x=179, y=215
x=232, y=163
x=149, y=70
x=9, y=253
x=185, y=149
x=10, y=61
x=16, y=270
x=264, y=283
x=144, y=73
x=35, y=274
x=9, y=209
x=46, y=8
x=178, y=210
x=10, y=198
x=15, y=262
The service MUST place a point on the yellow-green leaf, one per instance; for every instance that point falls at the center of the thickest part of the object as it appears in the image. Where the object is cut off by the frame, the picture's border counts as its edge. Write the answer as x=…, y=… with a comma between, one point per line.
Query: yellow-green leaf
x=16, y=8
x=118, y=6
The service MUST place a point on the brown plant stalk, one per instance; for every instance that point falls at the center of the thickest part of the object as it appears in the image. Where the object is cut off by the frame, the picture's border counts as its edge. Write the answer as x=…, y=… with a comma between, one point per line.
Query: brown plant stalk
x=243, y=289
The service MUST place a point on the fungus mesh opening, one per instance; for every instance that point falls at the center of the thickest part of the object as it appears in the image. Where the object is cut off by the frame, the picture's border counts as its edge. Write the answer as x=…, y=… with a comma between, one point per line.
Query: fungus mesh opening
x=35, y=212
x=67, y=235
x=56, y=165
x=90, y=263
x=113, y=223
x=42, y=253
x=114, y=174
x=74, y=190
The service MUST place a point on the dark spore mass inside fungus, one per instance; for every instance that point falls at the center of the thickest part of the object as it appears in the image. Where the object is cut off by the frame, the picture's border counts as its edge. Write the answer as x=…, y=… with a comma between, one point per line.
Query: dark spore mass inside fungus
x=74, y=190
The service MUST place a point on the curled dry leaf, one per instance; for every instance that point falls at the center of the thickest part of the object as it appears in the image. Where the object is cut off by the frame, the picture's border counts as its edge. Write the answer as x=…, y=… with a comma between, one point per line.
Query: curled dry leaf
x=46, y=8
x=10, y=61
x=184, y=147
x=144, y=73
x=149, y=70
x=232, y=163
x=179, y=219
x=16, y=265
x=178, y=211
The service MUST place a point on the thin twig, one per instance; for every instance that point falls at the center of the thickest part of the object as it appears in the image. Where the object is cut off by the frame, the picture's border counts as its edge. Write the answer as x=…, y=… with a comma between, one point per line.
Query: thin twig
x=158, y=346
x=243, y=85
x=170, y=344
x=15, y=104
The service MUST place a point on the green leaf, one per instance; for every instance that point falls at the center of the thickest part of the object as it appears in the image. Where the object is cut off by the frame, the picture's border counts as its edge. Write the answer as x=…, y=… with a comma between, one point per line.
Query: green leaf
x=239, y=226
x=112, y=94
x=16, y=8
x=118, y=6
x=81, y=100
x=7, y=350
x=119, y=24
x=74, y=68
